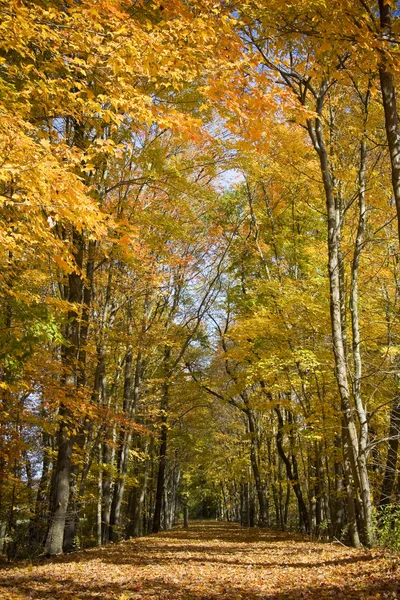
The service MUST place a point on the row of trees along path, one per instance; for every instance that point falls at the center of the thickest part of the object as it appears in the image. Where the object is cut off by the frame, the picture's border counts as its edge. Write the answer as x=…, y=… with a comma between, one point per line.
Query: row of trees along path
x=199, y=274
x=210, y=561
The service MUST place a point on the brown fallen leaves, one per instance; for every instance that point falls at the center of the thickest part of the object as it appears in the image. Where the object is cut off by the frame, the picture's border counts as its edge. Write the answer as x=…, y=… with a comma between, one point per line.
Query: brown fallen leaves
x=215, y=561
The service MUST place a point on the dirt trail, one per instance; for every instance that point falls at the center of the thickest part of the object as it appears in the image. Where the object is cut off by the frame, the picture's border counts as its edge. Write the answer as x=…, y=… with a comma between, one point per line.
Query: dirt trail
x=215, y=561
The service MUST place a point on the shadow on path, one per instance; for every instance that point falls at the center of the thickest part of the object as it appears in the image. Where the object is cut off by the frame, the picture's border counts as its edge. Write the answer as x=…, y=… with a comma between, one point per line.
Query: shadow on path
x=209, y=561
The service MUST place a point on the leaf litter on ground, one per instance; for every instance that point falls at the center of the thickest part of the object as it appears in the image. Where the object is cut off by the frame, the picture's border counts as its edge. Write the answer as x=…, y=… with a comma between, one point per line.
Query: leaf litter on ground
x=209, y=561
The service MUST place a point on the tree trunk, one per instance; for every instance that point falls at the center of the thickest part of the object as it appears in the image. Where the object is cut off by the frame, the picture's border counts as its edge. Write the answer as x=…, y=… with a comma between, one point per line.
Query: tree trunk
x=286, y=507
x=358, y=464
x=138, y=514
x=254, y=465
x=390, y=107
x=106, y=489
x=77, y=483
x=391, y=460
x=65, y=437
x=185, y=516
x=70, y=361
x=338, y=513
x=252, y=507
x=356, y=380
x=123, y=448
x=161, y=474
x=292, y=474
x=244, y=504
x=60, y=495
x=99, y=495
x=351, y=504
x=163, y=444
x=37, y=524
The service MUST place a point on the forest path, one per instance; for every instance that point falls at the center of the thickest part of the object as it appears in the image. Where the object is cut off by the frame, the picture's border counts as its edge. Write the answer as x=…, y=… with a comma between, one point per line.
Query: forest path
x=210, y=561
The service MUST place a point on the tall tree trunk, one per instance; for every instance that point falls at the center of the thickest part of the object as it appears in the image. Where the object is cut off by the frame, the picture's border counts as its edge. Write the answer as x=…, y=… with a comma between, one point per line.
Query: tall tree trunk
x=99, y=494
x=106, y=488
x=185, y=515
x=37, y=524
x=123, y=449
x=70, y=360
x=390, y=106
x=356, y=380
x=252, y=506
x=163, y=449
x=351, y=502
x=393, y=138
x=244, y=504
x=286, y=507
x=254, y=465
x=358, y=466
x=5, y=397
x=65, y=436
x=136, y=529
x=61, y=486
x=82, y=441
x=292, y=473
x=318, y=487
x=338, y=513
x=393, y=447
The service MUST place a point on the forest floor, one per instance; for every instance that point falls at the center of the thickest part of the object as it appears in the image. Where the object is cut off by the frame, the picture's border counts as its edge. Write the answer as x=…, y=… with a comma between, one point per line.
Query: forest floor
x=210, y=561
